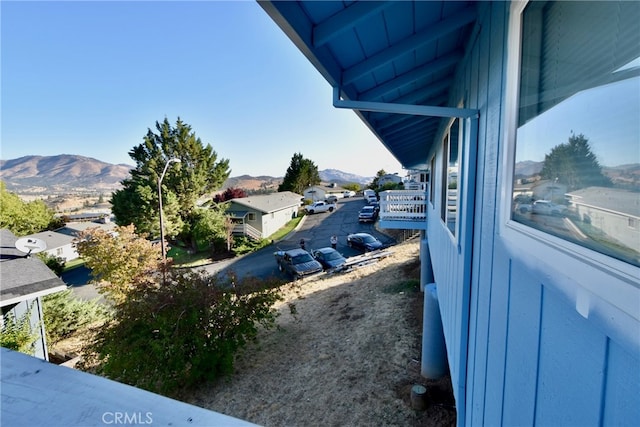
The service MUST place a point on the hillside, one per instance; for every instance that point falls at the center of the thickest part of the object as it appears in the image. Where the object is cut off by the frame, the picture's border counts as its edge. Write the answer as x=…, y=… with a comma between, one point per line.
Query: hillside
x=73, y=174
x=61, y=174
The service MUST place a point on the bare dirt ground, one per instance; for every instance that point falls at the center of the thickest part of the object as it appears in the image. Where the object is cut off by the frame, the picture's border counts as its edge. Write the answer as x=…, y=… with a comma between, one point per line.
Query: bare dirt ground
x=348, y=357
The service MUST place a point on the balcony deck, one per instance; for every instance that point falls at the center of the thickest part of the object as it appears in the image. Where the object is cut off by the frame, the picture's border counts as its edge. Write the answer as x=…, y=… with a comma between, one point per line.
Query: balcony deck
x=403, y=209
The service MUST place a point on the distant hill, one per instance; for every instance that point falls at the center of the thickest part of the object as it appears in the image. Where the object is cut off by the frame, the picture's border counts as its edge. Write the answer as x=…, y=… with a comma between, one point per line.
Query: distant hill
x=59, y=174
x=339, y=177
x=70, y=174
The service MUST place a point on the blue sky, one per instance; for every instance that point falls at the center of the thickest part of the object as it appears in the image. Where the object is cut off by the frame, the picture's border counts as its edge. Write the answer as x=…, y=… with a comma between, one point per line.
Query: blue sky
x=90, y=78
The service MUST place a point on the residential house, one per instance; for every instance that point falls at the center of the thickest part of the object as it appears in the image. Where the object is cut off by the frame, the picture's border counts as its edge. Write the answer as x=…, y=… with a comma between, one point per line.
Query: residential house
x=539, y=328
x=322, y=191
x=60, y=242
x=389, y=179
x=24, y=280
x=260, y=216
x=614, y=212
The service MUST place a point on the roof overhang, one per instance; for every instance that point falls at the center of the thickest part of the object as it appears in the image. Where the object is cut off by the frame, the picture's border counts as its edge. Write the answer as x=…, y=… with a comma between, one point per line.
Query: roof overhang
x=392, y=62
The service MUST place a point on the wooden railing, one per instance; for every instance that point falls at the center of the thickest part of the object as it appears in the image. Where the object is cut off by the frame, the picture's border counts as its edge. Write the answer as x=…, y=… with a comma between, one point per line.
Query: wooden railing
x=403, y=205
x=247, y=230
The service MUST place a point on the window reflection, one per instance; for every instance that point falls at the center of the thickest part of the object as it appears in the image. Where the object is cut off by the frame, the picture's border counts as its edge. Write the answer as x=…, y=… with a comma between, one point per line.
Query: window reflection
x=577, y=170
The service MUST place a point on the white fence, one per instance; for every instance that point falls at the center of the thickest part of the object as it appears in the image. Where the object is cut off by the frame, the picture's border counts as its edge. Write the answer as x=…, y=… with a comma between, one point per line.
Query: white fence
x=403, y=205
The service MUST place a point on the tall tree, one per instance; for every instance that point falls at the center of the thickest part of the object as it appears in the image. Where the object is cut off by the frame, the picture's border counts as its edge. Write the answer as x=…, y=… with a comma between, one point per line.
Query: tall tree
x=301, y=173
x=198, y=174
x=375, y=183
x=574, y=164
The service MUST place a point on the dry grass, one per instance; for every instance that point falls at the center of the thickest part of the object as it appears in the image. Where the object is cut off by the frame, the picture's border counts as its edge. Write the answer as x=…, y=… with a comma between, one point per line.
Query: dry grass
x=348, y=357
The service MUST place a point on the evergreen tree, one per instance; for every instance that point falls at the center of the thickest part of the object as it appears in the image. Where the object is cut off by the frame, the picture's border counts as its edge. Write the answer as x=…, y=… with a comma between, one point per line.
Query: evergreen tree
x=301, y=174
x=198, y=174
x=375, y=183
x=574, y=165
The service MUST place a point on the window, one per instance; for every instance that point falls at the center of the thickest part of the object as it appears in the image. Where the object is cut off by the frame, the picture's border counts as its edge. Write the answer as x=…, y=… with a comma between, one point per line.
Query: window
x=450, y=172
x=251, y=216
x=578, y=129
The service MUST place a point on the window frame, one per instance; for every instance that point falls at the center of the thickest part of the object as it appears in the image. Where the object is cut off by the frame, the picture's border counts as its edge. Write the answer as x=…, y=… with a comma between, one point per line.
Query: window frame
x=578, y=272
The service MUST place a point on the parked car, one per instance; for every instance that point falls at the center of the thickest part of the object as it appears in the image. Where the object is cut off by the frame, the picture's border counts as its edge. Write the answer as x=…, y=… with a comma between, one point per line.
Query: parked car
x=331, y=199
x=297, y=263
x=364, y=241
x=348, y=193
x=546, y=207
x=368, y=214
x=318, y=207
x=328, y=257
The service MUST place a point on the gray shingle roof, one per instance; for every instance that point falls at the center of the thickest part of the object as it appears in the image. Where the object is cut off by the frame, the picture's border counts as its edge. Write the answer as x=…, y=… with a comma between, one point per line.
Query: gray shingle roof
x=270, y=202
x=23, y=277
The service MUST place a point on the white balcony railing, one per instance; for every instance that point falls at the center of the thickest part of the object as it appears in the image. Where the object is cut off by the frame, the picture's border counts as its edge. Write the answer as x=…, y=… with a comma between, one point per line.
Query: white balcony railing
x=403, y=205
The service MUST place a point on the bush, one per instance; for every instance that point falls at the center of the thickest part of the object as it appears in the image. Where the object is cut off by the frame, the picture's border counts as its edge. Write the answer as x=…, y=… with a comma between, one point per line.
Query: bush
x=65, y=315
x=244, y=245
x=16, y=334
x=183, y=332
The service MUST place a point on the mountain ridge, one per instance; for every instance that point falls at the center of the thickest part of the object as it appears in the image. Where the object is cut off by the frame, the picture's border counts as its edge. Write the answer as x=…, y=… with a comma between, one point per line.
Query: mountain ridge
x=70, y=173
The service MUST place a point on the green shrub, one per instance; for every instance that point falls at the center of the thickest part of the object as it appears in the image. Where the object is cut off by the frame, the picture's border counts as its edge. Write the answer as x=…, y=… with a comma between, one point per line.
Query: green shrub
x=64, y=315
x=183, y=332
x=16, y=334
x=244, y=245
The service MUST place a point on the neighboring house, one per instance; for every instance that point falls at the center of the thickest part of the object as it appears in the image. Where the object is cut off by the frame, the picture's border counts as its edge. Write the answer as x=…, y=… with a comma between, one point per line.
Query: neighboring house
x=24, y=280
x=60, y=242
x=389, y=179
x=260, y=216
x=322, y=191
x=614, y=212
x=538, y=328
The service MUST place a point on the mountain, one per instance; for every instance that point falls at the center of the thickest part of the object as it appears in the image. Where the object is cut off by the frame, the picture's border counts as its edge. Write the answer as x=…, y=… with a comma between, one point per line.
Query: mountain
x=72, y=174
x=527, y=168
x=339, y=177
x=64, y=173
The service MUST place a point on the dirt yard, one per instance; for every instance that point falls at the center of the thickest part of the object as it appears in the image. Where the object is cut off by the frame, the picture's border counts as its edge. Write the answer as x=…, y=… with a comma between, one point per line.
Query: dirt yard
x=348, y=357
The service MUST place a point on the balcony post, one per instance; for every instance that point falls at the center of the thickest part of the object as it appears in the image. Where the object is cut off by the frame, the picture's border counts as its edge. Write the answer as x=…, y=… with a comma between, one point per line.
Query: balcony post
x=426, y=270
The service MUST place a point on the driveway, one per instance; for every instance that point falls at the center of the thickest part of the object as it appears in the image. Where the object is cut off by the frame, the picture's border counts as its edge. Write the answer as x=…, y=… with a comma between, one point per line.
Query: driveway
x=316, y=230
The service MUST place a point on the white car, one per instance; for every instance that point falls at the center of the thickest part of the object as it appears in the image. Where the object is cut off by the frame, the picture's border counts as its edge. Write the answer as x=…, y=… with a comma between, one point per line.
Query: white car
x=546, y=207
x=348, y=193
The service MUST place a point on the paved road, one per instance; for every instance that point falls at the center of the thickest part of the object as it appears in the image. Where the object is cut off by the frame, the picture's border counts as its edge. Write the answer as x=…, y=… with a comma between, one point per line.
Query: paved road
x=316, y=230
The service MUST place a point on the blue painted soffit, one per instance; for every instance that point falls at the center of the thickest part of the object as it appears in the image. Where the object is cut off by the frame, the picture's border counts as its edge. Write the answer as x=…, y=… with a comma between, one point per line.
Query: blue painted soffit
x=400, y=52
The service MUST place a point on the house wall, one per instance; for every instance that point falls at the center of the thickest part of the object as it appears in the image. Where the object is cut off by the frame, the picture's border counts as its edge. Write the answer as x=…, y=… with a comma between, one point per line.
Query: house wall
x=535, y=334
x=67, y=252
x=272, y=222
x=613, y=224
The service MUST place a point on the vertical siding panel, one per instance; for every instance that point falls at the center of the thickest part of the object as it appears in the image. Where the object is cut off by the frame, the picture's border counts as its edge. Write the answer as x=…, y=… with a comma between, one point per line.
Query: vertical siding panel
x=498, y=320
x=525, y=299
x=621, y=398
x=571, y=367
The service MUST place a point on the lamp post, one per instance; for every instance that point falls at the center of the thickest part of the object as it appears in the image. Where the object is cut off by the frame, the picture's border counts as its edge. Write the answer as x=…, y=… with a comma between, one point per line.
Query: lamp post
x=164, y=250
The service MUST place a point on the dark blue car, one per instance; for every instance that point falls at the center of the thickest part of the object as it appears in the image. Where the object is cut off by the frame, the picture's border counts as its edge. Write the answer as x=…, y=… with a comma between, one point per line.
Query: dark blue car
x=329, y=258
x=363, y=241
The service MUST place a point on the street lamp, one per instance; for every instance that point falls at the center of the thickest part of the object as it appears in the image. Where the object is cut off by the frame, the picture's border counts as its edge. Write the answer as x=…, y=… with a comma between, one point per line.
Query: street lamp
x=164, y=250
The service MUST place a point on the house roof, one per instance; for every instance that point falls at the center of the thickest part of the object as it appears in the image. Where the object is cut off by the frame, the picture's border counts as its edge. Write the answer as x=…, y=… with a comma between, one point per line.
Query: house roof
x=611, y=199
x=23, y=277
x=390, y=61
x=43, y=394
x=54, y=239
x=268, y=203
